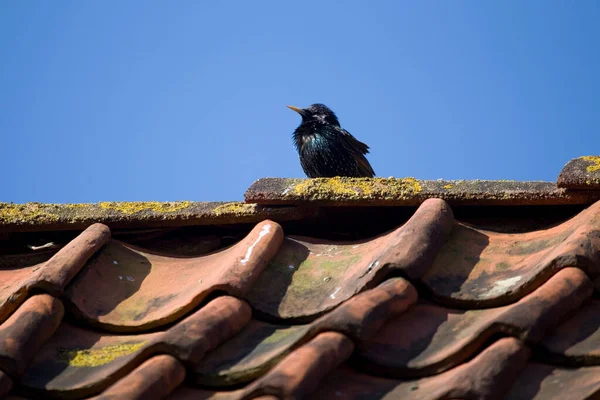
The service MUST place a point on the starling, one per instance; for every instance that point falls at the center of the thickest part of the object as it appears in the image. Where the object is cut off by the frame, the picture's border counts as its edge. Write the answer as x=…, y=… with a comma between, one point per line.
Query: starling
x=325, y=148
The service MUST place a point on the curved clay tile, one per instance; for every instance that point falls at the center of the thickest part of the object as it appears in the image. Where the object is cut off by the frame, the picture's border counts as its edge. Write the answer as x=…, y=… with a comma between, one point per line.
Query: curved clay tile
x=542, y=382
x=261, y=345
x=428, y=338
x=487, y=376
x=77, y=362
x=125, y=289
x=22, y=335
x=308, y=276
x=300, y=372
x=577, y=340
x=153, y=380
x=52, y=275
x=477, y=269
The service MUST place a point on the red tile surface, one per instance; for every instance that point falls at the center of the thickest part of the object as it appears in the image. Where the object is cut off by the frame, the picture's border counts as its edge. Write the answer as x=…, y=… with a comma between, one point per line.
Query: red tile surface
x=478, y=268
x=53, y=275
x=299, y=374
x=309, y=277
x=78, y=362
x=154, y=379
x=151, y=290
x=429, y=339
x=432, y=309
x=488, y=376
x=541, y=382
x=24, y=333
x=259, y=345
x=577, y=340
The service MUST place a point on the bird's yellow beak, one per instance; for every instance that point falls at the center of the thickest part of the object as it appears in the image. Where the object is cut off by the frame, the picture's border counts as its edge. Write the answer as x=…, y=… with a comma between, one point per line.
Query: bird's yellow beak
x=298, y=110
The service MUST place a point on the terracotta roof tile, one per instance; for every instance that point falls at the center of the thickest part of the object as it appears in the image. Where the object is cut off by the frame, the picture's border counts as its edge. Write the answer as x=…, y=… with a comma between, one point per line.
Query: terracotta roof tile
x=308, y=277
x=154, y=379
x=541, y=381
x=22, y=335
x=576, y=342
x=52, y=275
x=416, y=305
x=80, y=362
x=487, y=376
x=128, y=289
x=299, y=373
x=429, y=338
x=260, y=345
x=479, y=268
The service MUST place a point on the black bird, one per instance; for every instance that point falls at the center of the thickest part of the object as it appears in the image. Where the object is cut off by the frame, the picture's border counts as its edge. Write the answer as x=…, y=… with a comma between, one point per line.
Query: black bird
x=325, y=148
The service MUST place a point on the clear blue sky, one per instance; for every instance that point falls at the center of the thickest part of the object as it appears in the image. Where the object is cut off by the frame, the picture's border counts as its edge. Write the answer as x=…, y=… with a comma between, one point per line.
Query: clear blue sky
x=185, y=100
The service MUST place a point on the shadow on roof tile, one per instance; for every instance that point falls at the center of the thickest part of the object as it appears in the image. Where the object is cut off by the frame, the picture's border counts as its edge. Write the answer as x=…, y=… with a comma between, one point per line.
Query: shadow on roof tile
x=153, y=380
x=487, y=376
x=576, y=342
x=428, y=339
x=22, y=335
x=125, y=289
x=310, y=276
x=193, y=393
x=548, y=382
x=53, y=275
x=477, y=269
x=77, y=362
x=261, y=345
x=6, y=384
x=301, y=371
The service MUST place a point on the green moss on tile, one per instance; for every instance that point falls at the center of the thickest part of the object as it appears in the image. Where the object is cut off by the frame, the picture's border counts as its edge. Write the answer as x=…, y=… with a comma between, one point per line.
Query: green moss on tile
x=235, y=209
x=280, y=335
x=341, y=188
x=137, y=206
x=28, y=213
x=97, y=357
x=595, y=163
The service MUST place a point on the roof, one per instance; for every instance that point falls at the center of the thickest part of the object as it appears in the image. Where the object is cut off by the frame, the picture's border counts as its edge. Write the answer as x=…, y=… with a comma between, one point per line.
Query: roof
x=325, y=289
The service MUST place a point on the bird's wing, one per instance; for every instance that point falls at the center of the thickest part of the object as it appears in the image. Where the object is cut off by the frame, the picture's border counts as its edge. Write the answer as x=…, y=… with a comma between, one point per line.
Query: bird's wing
x=353, y=145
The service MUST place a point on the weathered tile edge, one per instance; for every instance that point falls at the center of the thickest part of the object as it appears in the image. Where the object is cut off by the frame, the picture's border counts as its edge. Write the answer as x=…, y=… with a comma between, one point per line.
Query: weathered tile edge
x=42, y=217
x=342, y=191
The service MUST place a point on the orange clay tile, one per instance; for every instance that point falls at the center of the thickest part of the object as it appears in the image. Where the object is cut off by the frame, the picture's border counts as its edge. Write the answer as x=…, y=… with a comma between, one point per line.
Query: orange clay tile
x=429, y=339
x=126, y=289
x=577, y=340
x=299, y=373
x=488, y=376
x=78, y=362
x=153, y=380
x=548, y=382
x=309, y=276
x=22, y=335
x=261, y=345
x=479, y=268
x=53, y=275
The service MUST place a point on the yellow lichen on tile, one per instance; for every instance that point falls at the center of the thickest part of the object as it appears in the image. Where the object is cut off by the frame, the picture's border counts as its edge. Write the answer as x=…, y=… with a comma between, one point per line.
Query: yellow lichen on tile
x=235, y=208
x=137, y=206
x=357, y=188
x=97, y=357
x=447, y=186
x=26, y=213
x=595, y=163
